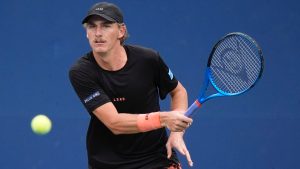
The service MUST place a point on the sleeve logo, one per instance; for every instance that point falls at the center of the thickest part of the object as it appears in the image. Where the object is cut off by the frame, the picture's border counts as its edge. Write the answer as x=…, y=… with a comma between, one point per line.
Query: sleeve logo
x=170, y=74
x=92, y=96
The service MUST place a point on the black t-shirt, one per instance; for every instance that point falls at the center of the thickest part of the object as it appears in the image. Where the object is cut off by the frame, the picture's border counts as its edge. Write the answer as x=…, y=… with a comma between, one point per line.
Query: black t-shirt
x=135, y=88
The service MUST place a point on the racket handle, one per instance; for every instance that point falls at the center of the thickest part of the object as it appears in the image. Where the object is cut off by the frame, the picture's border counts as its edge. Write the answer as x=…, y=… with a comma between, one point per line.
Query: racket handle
x=192, y=108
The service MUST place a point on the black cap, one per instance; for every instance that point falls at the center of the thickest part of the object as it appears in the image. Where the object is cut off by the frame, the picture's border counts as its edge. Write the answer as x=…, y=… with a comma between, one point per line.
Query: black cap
x=106, y=10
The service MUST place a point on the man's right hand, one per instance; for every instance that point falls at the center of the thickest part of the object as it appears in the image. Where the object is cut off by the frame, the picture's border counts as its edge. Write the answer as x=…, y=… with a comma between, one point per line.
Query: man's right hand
x=175, y=121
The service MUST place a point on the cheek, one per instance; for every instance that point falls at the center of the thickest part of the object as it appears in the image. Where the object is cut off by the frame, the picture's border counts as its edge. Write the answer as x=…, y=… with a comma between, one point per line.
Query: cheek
x=88, y=35
x=89, y=38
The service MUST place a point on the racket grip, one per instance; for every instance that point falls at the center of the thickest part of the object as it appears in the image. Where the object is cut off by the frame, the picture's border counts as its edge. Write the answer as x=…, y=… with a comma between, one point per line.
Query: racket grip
x=192, y=108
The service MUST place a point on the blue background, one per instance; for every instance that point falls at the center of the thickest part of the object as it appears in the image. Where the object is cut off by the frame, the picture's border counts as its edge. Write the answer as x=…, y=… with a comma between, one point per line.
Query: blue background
x=40, y=39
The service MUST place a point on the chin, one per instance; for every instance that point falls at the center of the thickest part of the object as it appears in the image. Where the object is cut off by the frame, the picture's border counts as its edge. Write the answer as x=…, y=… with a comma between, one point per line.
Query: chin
x=99, y=50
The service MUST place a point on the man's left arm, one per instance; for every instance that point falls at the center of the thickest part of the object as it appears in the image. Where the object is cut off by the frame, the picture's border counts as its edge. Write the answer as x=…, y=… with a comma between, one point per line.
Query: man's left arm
x=179, y=102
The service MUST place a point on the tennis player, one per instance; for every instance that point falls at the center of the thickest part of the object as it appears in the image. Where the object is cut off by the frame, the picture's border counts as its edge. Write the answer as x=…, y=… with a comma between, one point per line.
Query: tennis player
x=120, y=86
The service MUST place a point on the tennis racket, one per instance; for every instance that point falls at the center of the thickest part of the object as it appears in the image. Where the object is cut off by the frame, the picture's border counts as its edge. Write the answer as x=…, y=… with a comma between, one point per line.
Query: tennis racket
x=234, y=66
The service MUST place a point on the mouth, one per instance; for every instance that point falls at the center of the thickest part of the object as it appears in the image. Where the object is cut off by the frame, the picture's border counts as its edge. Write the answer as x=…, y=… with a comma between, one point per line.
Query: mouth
x=99, y=41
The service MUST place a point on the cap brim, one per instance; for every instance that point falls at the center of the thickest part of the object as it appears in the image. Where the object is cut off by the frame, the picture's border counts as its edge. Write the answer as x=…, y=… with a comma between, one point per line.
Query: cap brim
x=101, y=15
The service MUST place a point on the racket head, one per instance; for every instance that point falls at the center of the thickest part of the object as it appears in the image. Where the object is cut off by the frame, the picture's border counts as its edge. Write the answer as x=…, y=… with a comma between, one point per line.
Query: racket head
x=235, y=64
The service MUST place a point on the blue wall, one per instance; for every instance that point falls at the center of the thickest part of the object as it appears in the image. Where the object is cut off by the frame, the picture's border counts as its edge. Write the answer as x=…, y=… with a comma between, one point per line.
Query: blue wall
x=41, y=39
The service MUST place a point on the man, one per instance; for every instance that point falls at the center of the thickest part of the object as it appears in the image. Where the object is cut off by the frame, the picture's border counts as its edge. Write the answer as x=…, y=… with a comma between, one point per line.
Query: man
x=120, y=86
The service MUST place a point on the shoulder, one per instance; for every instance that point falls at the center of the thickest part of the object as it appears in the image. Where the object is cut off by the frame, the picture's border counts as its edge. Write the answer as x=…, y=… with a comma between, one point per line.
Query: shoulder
x=85, y=61
x=141, y=51
x=84, y=65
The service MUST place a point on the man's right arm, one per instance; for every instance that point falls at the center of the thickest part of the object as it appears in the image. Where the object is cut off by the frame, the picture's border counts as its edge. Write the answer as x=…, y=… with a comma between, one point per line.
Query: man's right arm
x=125, y=123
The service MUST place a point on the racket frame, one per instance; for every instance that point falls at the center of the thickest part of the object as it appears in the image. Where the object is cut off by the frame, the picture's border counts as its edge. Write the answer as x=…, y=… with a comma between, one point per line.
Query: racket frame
x=208, y=77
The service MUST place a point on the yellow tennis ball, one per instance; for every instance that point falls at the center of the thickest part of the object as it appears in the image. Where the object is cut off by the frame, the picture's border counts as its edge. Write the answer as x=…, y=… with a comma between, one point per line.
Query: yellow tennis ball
x=41, y=124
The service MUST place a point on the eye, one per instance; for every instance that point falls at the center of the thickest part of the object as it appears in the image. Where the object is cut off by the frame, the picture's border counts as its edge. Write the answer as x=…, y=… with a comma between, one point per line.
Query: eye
x=107, y=25
x=90, y=26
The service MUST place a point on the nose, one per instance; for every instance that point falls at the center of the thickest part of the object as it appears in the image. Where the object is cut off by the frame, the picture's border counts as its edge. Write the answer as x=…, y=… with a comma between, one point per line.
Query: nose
x=98, y=31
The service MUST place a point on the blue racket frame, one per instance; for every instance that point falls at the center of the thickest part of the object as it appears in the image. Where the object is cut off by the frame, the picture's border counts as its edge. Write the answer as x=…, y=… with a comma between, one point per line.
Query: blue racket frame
x=208, y=78
x=201, y=98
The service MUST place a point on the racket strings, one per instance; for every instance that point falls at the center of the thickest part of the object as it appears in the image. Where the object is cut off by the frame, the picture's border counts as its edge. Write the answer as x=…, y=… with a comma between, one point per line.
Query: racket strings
x=239, y=83
x=253, y=63
x=235, y=65
x=226, y=79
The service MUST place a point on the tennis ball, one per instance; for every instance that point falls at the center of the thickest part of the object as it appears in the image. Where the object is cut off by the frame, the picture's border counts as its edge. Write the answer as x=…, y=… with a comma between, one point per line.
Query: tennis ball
x=41, y=124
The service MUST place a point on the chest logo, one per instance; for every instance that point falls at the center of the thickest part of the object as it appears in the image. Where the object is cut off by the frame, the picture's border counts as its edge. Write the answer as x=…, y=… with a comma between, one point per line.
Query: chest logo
x=119, y=99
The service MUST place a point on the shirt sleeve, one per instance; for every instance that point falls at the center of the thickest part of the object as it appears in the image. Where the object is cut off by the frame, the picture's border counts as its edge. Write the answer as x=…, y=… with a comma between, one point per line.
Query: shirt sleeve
x=166, y=80
x=90, y=93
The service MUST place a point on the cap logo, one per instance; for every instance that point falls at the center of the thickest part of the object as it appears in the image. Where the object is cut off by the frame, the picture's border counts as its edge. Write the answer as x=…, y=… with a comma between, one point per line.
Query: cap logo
x=99, y=9
x=108, y=11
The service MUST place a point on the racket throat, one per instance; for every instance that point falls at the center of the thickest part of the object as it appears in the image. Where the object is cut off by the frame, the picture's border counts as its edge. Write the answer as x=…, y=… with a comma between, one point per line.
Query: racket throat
x=198, y=103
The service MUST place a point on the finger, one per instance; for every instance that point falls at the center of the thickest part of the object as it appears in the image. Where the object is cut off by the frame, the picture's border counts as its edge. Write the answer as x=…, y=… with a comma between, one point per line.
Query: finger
x=169, y=150
x=181, y=150
x=183, y=125
x=187, y=124
x=188, y=157
x=187, y=119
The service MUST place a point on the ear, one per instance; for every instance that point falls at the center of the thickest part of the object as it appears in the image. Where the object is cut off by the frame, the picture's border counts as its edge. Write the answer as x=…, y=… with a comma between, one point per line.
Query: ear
x=122, y=31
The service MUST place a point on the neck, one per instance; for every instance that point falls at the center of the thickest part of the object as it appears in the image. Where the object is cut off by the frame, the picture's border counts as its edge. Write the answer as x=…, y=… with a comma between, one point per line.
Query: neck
x=113, y=60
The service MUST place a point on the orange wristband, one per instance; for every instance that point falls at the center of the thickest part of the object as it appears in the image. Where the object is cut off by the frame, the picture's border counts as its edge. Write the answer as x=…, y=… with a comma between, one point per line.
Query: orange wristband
x=147, y=122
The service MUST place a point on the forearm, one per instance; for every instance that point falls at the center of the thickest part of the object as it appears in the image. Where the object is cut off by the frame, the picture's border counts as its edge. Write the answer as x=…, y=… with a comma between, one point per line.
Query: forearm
x=123, y=123
x=127, y=123
x=179, y=98
x=179, y=102
x=151, y=121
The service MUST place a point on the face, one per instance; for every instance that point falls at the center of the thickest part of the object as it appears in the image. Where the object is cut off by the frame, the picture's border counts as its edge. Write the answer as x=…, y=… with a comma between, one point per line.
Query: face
x=103, y=35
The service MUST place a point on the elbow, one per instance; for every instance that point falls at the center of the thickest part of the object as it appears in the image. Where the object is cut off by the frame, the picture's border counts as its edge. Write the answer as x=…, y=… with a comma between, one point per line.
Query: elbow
x=114, y=128
x=179, y=91
x=115, y=131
